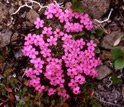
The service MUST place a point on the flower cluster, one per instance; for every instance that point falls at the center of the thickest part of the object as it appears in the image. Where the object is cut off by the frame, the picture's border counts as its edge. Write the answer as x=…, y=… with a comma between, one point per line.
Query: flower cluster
x=75, y=58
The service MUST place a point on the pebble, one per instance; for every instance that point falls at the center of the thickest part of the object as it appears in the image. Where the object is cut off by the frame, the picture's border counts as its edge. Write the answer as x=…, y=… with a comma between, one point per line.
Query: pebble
x=95, y=8
x=5, y=38
x=32, y=15
x=103, y=71
x=108, y=40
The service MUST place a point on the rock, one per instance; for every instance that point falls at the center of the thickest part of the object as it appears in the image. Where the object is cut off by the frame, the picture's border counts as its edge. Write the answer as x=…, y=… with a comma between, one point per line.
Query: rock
x=11, y=10
x=32, y=15
x=18, y=54
x=115, y=28
x=29, y=24
x=103, y=71
x=68, y=5
x=3, y=12
x=95, y=8
x=5, y=38
x=108, y=40
x=36, y=6
x=14, y=38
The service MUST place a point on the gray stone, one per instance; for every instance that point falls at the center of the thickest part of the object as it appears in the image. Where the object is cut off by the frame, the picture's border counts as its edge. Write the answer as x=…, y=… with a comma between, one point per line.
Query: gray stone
x=103, y=71
x=29, y=24
x=68, y=5
x=3, y=12
x=5, y=38
x=108, y=40
x=95, y=8
x=14, y=37
x=32, y=15
x=18, y=54
x=36, y=6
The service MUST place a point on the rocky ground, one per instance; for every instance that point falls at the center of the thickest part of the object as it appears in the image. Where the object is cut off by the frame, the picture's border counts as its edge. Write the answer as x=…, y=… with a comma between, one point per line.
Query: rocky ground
x=14, y=27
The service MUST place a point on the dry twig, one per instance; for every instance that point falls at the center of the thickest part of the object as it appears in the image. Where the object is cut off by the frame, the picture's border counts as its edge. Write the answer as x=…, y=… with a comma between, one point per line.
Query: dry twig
x=32, y=2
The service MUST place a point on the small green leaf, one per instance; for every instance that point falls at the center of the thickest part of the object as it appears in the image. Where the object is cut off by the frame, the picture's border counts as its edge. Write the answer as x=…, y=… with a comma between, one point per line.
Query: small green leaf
x=115, y=79
x=2, y=86
x=8, y=50
x=117, y=52
x=99, y=32
x=19, y=93
x=122, y=38
x=22, y=102
x=3, y=92
x=4, y=81
x=97, y=50
x=92, y=36
x=53, y=102
x=119, y=63
x=24, y=90
x=77, y=6
x=46, y=101
x=74, y=1
x=80, y=34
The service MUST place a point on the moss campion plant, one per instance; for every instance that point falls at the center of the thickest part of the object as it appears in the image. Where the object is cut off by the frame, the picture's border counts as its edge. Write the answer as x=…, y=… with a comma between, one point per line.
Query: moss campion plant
x=60, y=63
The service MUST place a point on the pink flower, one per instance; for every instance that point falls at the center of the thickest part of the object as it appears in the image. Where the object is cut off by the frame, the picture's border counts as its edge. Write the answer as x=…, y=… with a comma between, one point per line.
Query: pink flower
x=51, y=91
x=89, y=25
x=46, y=52
x=71, y=72
x=53, y=8
x=29, y=39
x=39, y=23
x=38, y=63
x=33, y=53
x=49, y=14
x=67, y=47
x=66, y=37
x=37, y=71
x=80, y=79
x=35, y=81
x=58, y=12
x=26, y=50
x=43, y=45
x=58, y=33
x=76, y=15
x=72, y=84
x=38, y=39
x=40, y=88
x=76, y=90
x=91, y=45
x=63, y=17
x=84, y=19
x=68, y=26
x=52, y=41
x=47, y=31
x=69, y=13
x=29, y=72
